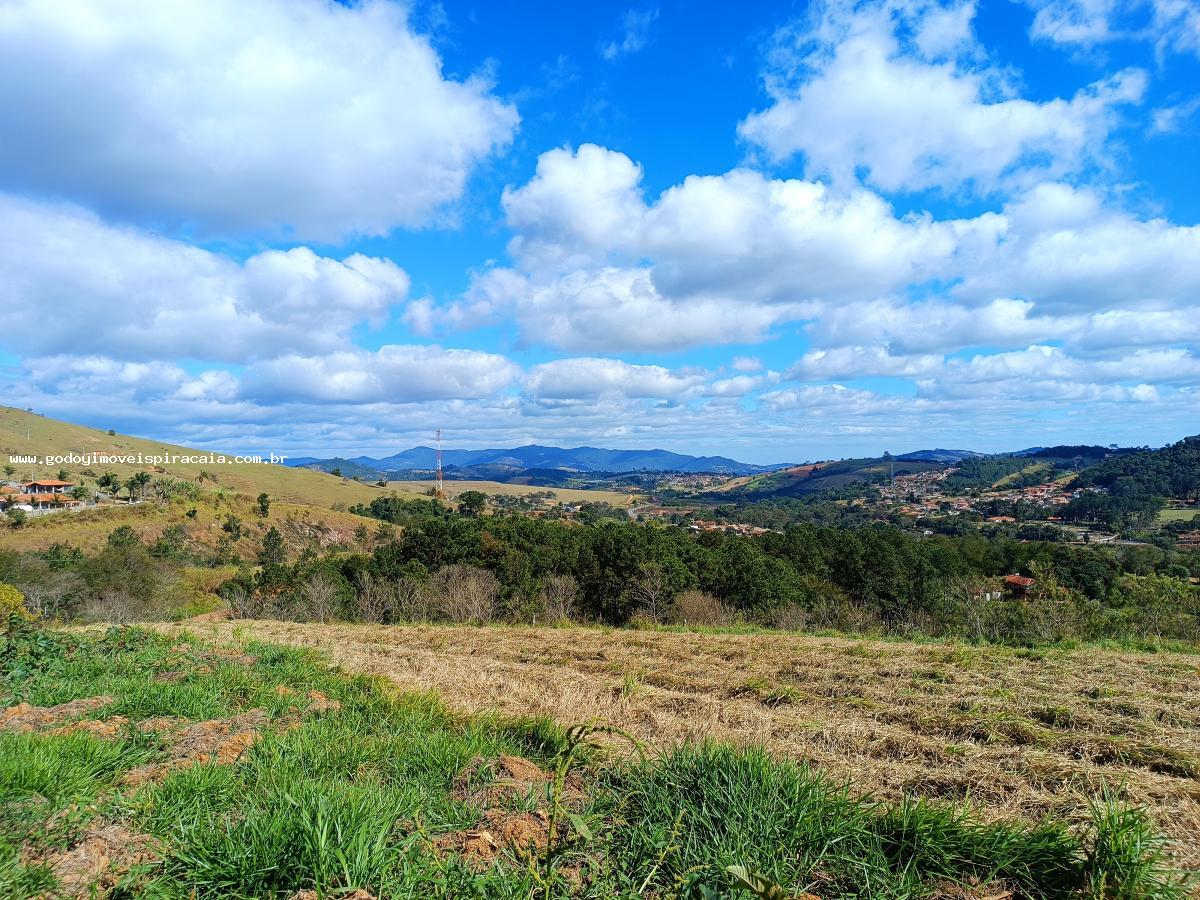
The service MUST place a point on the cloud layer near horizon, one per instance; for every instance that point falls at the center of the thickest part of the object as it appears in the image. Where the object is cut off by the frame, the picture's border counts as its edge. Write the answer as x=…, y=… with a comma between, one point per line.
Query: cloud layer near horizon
x=181, y=255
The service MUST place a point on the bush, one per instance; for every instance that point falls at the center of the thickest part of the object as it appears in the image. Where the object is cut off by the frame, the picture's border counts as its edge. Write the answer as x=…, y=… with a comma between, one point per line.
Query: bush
x=462, y=593
x=559, y=598
x=12, y=603
x=792, y=617
x=699, y=608
x=318, y=599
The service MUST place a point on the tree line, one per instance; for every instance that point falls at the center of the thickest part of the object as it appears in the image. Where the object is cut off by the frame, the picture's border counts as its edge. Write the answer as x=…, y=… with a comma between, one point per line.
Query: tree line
x=873, y=578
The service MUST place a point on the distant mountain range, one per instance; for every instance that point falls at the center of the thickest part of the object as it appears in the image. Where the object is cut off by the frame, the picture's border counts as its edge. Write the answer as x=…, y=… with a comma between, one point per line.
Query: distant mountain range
x=939, y=455
x=537, y=456
x=540, y=464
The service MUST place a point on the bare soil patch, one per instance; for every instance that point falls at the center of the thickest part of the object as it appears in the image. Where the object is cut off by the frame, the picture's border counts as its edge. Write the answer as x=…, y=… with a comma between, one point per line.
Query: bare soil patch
x=498, y=785
x=219, y=741
x=24, y=717
x=105, y=852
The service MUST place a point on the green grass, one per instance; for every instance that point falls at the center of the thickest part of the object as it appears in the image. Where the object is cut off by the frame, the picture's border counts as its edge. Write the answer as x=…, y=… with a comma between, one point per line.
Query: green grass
x=354, y=797
x=1178, y=514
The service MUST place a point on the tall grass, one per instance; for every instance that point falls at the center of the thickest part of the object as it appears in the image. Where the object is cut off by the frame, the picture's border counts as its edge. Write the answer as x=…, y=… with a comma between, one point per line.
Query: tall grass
x=700, y=811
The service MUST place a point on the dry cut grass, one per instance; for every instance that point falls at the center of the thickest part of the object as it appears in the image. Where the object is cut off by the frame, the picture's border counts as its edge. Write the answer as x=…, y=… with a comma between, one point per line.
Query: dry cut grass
x=1019, y=733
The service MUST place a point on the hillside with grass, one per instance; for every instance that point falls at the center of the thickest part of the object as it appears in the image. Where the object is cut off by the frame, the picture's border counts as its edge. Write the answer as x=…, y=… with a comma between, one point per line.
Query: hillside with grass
x=28, y=434
x=812, y=478
x=133, y=764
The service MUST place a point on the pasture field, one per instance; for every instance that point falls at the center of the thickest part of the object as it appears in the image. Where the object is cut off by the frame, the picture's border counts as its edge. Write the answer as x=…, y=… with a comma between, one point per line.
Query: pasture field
x=562, y=495
x=135, y=764
x=1017, y=733
x=1178, y=514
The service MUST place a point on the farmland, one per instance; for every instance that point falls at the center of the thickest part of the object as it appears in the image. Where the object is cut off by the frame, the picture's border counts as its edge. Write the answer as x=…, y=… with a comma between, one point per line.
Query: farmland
x=1178, y=514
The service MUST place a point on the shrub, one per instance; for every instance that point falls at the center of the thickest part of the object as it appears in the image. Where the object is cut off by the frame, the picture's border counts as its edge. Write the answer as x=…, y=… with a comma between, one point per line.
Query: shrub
x=12, y=603
x=791, y=617
x=559, y=598
x=462, y=593
x=376, y=598
x=318, y=599
x=699, y=608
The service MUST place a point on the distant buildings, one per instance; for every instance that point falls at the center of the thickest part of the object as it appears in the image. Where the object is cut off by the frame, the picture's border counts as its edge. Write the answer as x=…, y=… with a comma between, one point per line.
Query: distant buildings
x=32, y=496
x=1017, y=585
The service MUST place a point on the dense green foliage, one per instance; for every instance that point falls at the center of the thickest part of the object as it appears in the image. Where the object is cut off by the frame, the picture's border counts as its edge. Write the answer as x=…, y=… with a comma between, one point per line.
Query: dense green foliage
x=981, y=472
x=1173, y=471
x=872, y=578
x=357, y=797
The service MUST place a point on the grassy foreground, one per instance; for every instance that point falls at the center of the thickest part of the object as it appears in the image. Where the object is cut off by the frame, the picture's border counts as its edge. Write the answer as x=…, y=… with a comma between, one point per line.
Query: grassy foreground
x=136, y=764
x=1020, y=733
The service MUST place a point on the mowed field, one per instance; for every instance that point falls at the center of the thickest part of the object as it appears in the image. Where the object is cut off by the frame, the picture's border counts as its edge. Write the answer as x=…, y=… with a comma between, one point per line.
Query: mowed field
x=1018, y=733
x=563, y=495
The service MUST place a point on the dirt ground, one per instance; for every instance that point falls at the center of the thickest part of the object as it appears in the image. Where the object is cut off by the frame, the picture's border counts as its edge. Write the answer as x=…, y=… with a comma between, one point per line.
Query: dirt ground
x=1016, y=733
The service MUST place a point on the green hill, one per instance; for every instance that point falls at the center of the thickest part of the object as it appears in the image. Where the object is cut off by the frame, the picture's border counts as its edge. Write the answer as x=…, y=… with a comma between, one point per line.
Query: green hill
x=1171, y=472
x=799, y=481
x=28, y=434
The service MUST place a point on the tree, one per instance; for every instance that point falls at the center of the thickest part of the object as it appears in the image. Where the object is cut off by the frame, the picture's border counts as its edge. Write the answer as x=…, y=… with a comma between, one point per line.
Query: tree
x=376, y=598
x=171, y=543
x=264, y=504
x=232, y=527
x=109, y=482
x=79, y=492
x=560, y=598
x=652, y=591
x=16, y=517
x=9, y=470
x=472, y=503
x=320, y=598
x=137, y=484
x=123, y=538
x=462, y=593
x=274, y=553
x=63, y=474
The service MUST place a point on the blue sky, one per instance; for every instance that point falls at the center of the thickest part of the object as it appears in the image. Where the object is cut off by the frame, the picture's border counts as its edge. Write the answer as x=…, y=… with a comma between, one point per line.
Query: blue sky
x=770, y=231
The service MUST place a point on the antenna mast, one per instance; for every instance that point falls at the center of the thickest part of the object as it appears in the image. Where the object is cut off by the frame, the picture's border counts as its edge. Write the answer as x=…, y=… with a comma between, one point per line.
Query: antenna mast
x=437, y=489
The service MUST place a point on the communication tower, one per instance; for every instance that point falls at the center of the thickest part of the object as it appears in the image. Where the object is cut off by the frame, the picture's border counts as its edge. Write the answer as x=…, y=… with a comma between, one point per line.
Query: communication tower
x=438, y=490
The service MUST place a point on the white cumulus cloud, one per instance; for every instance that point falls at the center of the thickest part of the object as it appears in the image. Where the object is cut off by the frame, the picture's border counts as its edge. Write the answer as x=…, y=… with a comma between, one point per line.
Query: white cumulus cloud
x=70, y=281
x=851, y=96
x=307, y=117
